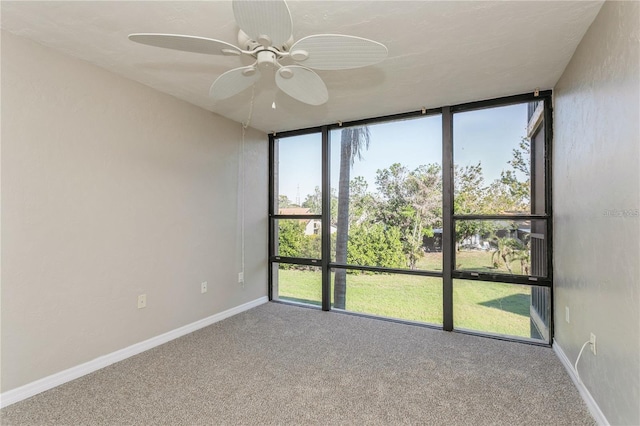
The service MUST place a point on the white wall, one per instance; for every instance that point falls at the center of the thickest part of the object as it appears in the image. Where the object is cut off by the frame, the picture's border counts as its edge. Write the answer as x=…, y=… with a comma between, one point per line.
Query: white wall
x=597, y=179
x=109, y=190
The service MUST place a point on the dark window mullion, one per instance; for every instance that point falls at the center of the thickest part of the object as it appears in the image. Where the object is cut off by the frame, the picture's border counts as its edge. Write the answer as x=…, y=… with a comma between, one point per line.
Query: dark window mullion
x=548, y=142
x=270, y=239
x=326, y=220
x=502, y=278
x=420, y=272
x=297, y=216
x=295, y=260
x=500, y=102
x=448, y=230
x=499, y=216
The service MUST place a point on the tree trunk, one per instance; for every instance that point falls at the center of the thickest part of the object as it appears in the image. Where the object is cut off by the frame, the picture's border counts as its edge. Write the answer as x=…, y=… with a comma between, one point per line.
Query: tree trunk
x=342, y=233
x=506, y=263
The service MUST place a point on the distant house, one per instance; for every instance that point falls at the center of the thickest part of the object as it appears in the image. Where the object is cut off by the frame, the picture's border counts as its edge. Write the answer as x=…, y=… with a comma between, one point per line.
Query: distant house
x=294, y=210
x=312, y=226
x=433, y=243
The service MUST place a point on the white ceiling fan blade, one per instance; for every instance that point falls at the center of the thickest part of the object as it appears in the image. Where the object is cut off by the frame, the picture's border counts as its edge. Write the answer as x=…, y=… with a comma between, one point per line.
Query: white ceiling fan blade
x=233, y=82
x=337, y=52
x=186, y=43
x=302, y=84
x=269, y=18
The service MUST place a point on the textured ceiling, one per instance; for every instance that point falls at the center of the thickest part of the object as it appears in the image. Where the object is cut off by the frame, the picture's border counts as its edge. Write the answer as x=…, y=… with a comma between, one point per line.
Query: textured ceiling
x=440, y=53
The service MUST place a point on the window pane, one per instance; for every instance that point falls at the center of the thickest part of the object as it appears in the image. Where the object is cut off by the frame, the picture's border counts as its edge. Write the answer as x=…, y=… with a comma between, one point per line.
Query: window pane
x=516, y=247
x=505, y=309
x=297, y=283
x=492, y=161
x=298, y=174
x=386, y=186
x=407, y=297
x=298, y=238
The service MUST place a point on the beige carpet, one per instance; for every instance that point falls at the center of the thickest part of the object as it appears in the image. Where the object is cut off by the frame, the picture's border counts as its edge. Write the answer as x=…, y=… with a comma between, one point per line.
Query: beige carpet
x=280, y=364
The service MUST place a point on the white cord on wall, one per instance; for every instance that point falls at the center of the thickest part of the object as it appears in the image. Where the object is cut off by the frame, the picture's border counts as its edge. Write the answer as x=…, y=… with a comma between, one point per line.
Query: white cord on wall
x=575, y=366
x=241, y=186
x=241, y=202
x=247, y=123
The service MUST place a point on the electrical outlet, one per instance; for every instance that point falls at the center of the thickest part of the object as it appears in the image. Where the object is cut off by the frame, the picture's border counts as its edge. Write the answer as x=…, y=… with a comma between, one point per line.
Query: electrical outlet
x=240, y=277
x=592, y=343
x=142, y=301
x=203, y=287
x=566, y=313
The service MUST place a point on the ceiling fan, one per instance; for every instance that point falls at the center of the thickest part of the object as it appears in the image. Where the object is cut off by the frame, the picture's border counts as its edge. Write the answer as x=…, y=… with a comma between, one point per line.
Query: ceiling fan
x=266, y=36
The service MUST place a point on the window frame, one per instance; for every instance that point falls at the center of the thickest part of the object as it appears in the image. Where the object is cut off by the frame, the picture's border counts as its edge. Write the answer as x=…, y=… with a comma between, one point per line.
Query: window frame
x=449, y=218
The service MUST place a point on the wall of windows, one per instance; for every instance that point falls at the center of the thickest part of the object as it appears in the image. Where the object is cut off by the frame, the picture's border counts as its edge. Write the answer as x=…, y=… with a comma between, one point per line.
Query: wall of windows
x=438, y=217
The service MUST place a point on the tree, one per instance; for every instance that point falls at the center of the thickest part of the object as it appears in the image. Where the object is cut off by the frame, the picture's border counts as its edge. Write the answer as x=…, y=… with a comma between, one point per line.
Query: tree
x=412, y=202
x=425, y=189
x=313, y=202
x=284, y=202
x=290, y=238
x=510, y=193
x=507, y=250
x=469, y=190
x=311, y=246
x=377, y=245
x=352, y=142
x=470, y=197
x=524, y=256
x=391, y=185
x=362, y=204
x=519, y=192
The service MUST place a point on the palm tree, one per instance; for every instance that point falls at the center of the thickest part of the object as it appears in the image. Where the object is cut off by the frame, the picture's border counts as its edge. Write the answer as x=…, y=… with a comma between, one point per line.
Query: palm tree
x=508, y=250
x=523, y=255
x=352, y=143
x=502, y=252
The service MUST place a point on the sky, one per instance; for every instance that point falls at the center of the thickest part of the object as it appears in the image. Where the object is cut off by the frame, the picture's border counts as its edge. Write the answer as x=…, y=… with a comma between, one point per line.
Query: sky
x=487, y=135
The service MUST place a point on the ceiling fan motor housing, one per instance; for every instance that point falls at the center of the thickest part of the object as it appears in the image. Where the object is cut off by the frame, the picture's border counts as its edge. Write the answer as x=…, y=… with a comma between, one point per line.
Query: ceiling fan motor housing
x=245, y=42
x=266, y=59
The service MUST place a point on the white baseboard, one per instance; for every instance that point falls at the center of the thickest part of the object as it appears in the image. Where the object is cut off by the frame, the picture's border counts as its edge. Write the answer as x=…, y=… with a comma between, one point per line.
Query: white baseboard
x=592, y=405
x=23, y=392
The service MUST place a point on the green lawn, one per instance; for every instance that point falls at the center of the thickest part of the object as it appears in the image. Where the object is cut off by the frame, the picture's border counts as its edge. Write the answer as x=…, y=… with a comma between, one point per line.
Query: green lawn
x=492, y=307
x=467, y=260
x=480, y=261
x=482, y=306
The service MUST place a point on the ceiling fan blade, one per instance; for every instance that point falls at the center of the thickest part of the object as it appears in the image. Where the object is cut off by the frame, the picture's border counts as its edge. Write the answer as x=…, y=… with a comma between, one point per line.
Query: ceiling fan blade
x=233, y=82
x=186, y=43
x=337, y=52
x=269, y=18
x=302, y=84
